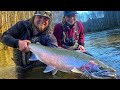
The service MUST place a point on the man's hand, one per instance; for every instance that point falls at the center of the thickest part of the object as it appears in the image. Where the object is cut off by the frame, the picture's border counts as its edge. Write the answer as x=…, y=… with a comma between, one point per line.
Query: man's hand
x=81, y=48
x=23, y=45
x=60, y=47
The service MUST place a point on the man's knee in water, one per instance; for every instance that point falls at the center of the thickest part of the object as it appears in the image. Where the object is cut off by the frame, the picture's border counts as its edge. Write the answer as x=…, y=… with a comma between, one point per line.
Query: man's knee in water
x=33, y=64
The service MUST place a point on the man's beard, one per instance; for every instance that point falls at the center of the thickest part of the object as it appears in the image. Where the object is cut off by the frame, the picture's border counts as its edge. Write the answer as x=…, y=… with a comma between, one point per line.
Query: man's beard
x=41, y=28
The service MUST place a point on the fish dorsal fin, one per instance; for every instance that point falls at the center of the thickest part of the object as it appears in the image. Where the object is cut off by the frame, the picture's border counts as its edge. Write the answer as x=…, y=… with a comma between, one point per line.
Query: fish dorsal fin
x=33, y=58
x=54, y=72
x=75, y=70
x=48, y=69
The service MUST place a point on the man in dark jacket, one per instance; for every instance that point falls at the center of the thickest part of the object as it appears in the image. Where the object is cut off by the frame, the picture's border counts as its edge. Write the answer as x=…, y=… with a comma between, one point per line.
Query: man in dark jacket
x=36, y=29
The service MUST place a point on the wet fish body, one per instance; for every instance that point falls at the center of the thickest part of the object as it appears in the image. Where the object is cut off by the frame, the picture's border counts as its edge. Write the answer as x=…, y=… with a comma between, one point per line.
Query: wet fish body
x=63, y=59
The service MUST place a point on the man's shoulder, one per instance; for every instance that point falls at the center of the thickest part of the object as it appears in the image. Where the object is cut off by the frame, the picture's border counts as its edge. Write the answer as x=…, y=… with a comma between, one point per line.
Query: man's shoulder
x=58, y=24
x=79, y=23
x=23, y=22
x=26, y=22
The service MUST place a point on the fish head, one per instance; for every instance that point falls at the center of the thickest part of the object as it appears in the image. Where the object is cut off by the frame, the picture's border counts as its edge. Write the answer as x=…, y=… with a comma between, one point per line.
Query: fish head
x=104, y=74
x=93, y=70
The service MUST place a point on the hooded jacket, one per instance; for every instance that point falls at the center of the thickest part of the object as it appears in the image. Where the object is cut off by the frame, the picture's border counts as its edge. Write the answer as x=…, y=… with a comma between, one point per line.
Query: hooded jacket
x=58, y=33
x=23, y=30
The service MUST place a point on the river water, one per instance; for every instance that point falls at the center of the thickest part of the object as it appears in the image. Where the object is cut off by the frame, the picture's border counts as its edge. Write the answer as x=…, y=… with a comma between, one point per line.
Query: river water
x=104, y=45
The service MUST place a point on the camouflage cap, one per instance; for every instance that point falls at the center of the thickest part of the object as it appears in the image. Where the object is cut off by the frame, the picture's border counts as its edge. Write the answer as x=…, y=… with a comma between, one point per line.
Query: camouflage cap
x=47, y=14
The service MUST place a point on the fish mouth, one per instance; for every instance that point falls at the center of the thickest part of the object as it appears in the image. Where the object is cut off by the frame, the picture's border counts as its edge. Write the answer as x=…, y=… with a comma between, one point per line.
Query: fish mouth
x=104, y=74
x=93, y=70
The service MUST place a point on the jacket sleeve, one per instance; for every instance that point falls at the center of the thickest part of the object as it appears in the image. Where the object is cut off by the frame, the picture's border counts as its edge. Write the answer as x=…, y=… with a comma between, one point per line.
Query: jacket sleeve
x=12, y=35
x=58, y=34
x=81, y=35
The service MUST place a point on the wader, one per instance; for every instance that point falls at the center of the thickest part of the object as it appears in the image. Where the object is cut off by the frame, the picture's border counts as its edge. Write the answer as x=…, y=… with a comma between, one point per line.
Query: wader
x=21, y=59
x=74, y=41
x=23, y=64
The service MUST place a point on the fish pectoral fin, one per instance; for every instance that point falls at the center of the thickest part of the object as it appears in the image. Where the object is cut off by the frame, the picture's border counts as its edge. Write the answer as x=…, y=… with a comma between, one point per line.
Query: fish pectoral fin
x=75, y=70
x=33, y=58
x=48, y=69
x=54, y=71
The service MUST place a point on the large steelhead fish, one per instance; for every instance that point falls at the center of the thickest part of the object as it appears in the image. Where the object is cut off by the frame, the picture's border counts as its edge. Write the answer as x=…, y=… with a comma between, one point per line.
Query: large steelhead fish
x=70, y=61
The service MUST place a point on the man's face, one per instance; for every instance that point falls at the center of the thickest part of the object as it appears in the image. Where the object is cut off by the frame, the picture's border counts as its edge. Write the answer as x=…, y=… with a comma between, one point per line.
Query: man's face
x=71, y=19
x=41, y=22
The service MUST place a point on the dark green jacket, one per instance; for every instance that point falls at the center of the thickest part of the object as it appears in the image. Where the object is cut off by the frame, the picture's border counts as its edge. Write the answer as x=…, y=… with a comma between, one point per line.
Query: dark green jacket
x=23, y=30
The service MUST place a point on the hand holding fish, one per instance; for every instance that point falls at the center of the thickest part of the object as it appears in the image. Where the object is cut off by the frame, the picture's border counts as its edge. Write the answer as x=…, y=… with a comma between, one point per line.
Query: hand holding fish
x=76, y=46
x=81, y=48
x=23, y=45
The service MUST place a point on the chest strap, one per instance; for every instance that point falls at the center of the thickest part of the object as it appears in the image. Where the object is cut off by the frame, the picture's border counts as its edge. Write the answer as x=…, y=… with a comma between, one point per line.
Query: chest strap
x=74, y=33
